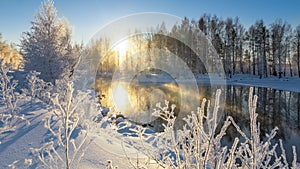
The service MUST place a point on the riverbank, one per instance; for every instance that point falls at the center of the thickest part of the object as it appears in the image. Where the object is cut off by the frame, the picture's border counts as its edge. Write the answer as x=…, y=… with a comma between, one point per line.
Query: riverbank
x=285, y=83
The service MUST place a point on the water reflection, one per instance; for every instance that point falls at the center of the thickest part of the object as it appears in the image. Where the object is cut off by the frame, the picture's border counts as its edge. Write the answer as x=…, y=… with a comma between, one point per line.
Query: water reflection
x=137, y=99
x=275, y=108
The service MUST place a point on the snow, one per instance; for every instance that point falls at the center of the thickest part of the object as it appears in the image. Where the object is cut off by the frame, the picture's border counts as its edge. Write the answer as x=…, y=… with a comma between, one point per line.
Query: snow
x=15, y=146
x=285, y=83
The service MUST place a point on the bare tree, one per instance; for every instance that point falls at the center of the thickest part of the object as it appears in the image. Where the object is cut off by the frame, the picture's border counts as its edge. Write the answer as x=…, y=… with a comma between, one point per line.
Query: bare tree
x=278, y=29
x=297, y=44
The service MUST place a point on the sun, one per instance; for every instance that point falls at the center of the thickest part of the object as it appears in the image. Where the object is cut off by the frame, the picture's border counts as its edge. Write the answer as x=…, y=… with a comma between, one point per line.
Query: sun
x=122, y=48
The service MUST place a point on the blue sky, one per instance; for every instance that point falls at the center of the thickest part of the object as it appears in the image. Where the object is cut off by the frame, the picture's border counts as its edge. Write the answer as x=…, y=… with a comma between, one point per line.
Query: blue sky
x=87, y=17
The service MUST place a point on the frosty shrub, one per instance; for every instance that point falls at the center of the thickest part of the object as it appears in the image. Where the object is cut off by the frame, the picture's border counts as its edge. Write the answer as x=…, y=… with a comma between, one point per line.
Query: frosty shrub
x=38, y=88
x=68, y=125
x=26, y=163
x=11, y=117
x=8, y=89
x=198, y=143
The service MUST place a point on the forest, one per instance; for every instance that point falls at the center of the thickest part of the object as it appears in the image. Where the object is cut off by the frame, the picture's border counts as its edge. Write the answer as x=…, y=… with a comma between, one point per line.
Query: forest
x=261, y=50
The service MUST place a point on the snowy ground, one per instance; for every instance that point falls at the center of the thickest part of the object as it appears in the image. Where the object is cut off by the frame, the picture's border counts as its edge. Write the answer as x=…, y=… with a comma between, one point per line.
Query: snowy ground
x=15, y=146
x=285, y=83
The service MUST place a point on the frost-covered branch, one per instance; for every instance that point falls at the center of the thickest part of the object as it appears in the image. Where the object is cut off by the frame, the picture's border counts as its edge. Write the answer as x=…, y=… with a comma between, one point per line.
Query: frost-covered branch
x=198, y=143
x=38, y=88
x=10, y=118
x=69, y=117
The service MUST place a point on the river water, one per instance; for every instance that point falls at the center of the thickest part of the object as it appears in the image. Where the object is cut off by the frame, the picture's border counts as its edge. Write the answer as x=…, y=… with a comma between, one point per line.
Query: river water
x=136, y=100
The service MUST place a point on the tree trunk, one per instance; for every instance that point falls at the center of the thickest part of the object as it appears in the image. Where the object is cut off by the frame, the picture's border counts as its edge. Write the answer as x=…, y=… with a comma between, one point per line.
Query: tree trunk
x=285, y=56
x=274, y=73
x=253, y=58
x=291, y=70
x=241, y=58
x=279, y=60
x=265, y=71
x=298, y=55
x=233, y=61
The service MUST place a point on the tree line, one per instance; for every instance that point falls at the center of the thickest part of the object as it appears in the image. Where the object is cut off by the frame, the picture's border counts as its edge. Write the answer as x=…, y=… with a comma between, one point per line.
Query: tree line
x=9, y=55
x=262, y=50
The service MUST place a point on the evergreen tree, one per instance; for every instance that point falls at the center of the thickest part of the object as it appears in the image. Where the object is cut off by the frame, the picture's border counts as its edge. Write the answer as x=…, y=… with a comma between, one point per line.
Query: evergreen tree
x=47, y=46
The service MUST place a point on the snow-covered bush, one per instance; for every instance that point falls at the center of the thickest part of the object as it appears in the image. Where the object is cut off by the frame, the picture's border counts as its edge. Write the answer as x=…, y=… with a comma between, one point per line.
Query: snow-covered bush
x=198, y=143
x=253, y=152
x=68, y=124
x=11, y=117
x=38, y=88
x=8, y=87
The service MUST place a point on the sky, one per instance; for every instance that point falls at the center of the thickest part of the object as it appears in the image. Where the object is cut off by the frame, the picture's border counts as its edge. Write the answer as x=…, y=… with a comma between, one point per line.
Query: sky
x=88, y=17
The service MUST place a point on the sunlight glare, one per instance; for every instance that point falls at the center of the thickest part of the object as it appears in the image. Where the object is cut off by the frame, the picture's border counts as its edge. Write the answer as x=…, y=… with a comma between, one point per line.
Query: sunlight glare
x=120, y=97
x=122, y=48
